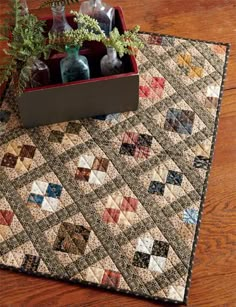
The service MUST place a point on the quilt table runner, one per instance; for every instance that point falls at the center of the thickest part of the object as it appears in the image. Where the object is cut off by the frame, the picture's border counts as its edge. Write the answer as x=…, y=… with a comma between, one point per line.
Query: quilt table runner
x=116, y=201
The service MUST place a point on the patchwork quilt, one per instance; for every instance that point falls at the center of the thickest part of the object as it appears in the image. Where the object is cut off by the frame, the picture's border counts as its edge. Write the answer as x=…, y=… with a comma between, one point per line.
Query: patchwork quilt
x=116, y=201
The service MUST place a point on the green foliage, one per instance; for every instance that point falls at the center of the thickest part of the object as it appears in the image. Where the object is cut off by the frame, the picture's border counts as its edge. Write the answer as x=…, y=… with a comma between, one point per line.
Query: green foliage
x=89, y=30
x=126, y=43
x=26, y=42
x=49, y=3
x=14, y=15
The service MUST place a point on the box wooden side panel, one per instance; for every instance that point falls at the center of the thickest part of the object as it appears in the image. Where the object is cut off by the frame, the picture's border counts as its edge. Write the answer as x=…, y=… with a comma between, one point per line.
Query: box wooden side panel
x=72, y=102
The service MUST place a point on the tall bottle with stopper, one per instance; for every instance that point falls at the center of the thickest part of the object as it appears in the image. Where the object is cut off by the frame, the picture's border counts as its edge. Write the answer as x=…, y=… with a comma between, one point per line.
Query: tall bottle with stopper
x=102, y=12
x=60, y=23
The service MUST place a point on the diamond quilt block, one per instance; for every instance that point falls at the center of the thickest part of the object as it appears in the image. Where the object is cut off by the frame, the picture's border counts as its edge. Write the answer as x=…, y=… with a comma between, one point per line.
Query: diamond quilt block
x=92, y=169
x=45, y=195
x=180, y=121
x=136, y=145
x=71, y=238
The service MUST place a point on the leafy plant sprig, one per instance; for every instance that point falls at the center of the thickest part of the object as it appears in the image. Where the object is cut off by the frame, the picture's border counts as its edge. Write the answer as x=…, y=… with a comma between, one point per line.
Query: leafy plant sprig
x=89, y=30
x=50, y=3
x=13, y=16
x=126, y=43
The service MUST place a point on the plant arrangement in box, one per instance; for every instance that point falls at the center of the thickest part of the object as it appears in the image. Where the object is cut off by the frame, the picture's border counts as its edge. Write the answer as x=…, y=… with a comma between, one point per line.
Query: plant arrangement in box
x=90, y=30
x=27, y=45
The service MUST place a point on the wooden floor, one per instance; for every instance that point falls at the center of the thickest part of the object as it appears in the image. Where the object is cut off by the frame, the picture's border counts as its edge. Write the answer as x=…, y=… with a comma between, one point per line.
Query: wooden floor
x=214, y=274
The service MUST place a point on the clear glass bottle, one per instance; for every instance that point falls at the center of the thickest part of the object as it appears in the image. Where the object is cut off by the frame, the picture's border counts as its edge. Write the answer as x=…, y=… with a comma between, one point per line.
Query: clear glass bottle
x=60, y=23
x=40, y=75
x=110, y=64
x=102, y=12
x=74, y=67
x=24, y=7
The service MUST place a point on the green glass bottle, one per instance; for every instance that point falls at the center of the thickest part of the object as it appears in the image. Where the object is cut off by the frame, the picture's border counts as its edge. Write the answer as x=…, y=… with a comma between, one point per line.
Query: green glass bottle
x=74, y=67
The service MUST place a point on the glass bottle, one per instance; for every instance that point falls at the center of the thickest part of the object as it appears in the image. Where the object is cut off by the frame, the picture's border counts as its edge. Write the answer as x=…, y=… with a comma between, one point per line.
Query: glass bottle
x=60, y=23
x=110, y=64
x=40, y=75
x=102, y=12
x=24, y=7
x=74, y=66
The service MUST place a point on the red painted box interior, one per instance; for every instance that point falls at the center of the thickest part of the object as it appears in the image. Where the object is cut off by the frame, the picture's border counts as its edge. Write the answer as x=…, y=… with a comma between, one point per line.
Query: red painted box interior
x=94, y=51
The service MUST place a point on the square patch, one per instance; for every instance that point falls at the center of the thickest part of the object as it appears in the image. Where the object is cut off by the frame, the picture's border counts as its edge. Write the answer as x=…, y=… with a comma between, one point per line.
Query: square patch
x=111, y=278
x=49, y=204
x=9, y=160
x=141, y=260
x=144, y=140
x=129, y=204
x=213, y=91
x=56, y=136
x=160, y=248
x=145, y=245
x=94, y=274
x=127, y=149
x=30, y=263
x=130, y=138
x=100, y=164
x=71, y=238
x=97, y=177
x=156, y=187
x=46, y=195
x=35, y=199
x=174, y=178
x=190, y=216
x=180, y=121
x=111, y=215
x=86, y=161
x=54, y=190
x=27, y=151
x=201, y=162
x=6, y=217
x=157, y=264
x=82, y=174
x=142, y=152
x=39, y=187
x=73, y=128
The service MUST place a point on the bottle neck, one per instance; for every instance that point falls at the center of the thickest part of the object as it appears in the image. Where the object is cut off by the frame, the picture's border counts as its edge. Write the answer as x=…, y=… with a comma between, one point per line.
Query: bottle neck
x=24, y=7
x=111, y=53
x=58, y=12
x=72, y=52
x=95, y=3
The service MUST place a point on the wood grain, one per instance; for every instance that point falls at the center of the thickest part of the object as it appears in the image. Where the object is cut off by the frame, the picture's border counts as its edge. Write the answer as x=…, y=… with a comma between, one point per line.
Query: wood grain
x=214, y=273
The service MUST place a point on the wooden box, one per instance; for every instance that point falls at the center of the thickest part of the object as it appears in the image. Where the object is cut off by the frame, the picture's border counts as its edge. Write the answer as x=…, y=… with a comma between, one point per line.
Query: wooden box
x=59, y=102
